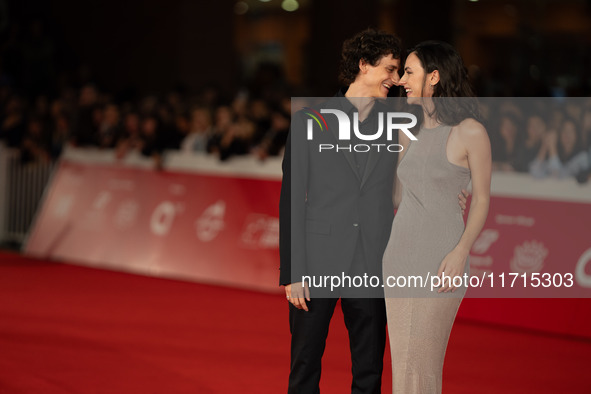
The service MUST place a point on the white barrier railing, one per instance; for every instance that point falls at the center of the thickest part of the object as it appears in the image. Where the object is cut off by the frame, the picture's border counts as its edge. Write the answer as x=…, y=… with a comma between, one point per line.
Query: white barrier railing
x=21, y=188
x=504, y=184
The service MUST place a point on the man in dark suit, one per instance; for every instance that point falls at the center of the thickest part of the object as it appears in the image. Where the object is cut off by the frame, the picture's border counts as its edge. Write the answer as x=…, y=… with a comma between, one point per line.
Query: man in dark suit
x=336, y=212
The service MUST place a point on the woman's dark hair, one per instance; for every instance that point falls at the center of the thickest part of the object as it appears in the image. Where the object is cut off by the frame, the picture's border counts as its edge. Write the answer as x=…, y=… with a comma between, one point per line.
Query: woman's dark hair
x=563, y=155
x=370, y=45
x=500, y=152
x=453, y=82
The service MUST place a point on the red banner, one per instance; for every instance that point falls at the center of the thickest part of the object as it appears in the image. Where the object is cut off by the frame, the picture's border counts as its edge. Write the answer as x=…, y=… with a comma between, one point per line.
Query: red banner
x=533, y=248
x=214, y=229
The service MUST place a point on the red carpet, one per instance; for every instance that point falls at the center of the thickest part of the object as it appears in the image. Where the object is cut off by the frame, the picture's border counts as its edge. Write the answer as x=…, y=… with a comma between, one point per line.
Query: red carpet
x=69, y=329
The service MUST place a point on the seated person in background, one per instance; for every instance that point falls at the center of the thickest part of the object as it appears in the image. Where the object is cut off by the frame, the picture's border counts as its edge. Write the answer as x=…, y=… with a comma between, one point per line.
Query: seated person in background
x=142, y=136
x=131, y=139
x=232, y=135
x=585, y=175
x=12, y=122
x=35, y=144
x=109, y=132
x=87, y=117
x=508, y=141
x=260, y=114
x=237, y=139
x=527, y=151
x=200, y=131
x=586, y=127
x=561, y=154
x=223, y=119
x=275, y=137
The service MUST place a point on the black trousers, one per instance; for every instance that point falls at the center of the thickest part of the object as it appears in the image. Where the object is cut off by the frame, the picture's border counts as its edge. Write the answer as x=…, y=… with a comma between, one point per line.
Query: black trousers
x=365, y=319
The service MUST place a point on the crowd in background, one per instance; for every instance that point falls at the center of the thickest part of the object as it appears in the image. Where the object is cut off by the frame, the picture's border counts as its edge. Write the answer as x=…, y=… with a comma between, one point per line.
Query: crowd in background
x=45, y=107
x=545, y=137
x=150, y=125
x=49, y=101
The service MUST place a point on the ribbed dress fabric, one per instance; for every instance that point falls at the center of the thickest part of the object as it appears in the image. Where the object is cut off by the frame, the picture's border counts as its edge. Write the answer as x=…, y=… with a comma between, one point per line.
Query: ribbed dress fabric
x=427, y=226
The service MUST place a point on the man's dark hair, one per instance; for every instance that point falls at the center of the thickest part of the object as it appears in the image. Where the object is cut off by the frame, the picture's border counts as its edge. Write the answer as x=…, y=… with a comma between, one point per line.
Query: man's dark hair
x=370, y=45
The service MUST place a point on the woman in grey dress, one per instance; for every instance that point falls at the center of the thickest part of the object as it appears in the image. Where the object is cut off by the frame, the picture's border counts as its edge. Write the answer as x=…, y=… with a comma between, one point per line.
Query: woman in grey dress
x=428, y=236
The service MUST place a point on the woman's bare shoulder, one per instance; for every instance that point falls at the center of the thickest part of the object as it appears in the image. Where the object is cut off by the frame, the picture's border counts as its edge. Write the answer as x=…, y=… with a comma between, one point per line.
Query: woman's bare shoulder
x=470, y=127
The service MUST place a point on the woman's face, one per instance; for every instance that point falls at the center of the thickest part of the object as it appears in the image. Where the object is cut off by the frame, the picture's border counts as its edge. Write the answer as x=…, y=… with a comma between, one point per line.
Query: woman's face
x=535, y=128
x=200, y=119
x=414, y=80
x=223, y=116
x=149, y=126
x=132, y=122
x=587, y=120
x=111, y=115
x=508, y=129
x=568, y=136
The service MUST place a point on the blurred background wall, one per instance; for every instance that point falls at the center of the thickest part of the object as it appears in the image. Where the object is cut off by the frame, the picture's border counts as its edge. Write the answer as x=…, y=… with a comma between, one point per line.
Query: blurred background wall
x=513, y=47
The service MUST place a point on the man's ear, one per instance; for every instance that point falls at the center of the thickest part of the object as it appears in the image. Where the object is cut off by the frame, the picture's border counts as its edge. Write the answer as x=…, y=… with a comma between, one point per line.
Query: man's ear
x=362, y=65
x=434, y=78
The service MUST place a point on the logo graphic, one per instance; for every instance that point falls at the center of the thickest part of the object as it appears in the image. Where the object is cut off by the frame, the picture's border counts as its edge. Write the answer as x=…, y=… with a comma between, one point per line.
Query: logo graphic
x=101, y=200
x=163, y=216
x=485, y=240
x=582, y=277
x=344, y=133
x=94, y=217
x=529, y=257
x=177, y=189
x=480, y=261
x=315, y=115
x=261, y=232
x=126, y=214
x=211, y=222
x=63, y=206
x=515, y=220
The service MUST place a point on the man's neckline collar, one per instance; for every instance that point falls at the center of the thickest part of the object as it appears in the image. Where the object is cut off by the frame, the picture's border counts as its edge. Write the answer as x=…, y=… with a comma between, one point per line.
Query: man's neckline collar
x=346, y=105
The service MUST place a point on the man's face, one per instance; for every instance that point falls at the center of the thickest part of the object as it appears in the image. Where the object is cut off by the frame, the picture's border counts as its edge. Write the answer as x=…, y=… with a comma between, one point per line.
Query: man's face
x=380, y=78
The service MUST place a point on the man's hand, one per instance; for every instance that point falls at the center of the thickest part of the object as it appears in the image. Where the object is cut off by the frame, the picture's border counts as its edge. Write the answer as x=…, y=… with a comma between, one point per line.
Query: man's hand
x=298, y=294
x=463, y=198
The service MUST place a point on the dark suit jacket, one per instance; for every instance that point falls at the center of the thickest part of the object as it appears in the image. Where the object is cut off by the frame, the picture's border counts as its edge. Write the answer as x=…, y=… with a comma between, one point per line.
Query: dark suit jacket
x=327, y=206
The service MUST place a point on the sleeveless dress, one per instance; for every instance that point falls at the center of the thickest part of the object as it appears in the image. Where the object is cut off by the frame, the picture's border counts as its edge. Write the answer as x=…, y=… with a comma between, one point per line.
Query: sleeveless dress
x=427, y=226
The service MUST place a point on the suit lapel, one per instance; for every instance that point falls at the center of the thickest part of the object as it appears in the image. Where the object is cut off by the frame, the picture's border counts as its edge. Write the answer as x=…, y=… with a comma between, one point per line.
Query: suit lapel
x=372, y=160
x=348, y=155
x=374, y=156
x=338, y=102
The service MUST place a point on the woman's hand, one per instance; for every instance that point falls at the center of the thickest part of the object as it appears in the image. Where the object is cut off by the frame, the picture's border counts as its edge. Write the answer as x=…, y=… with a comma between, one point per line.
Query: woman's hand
x=452, y=265
x=551, y=140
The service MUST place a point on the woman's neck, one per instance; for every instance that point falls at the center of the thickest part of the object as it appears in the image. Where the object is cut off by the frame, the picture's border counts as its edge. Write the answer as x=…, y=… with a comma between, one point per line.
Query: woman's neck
x=429, y=120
